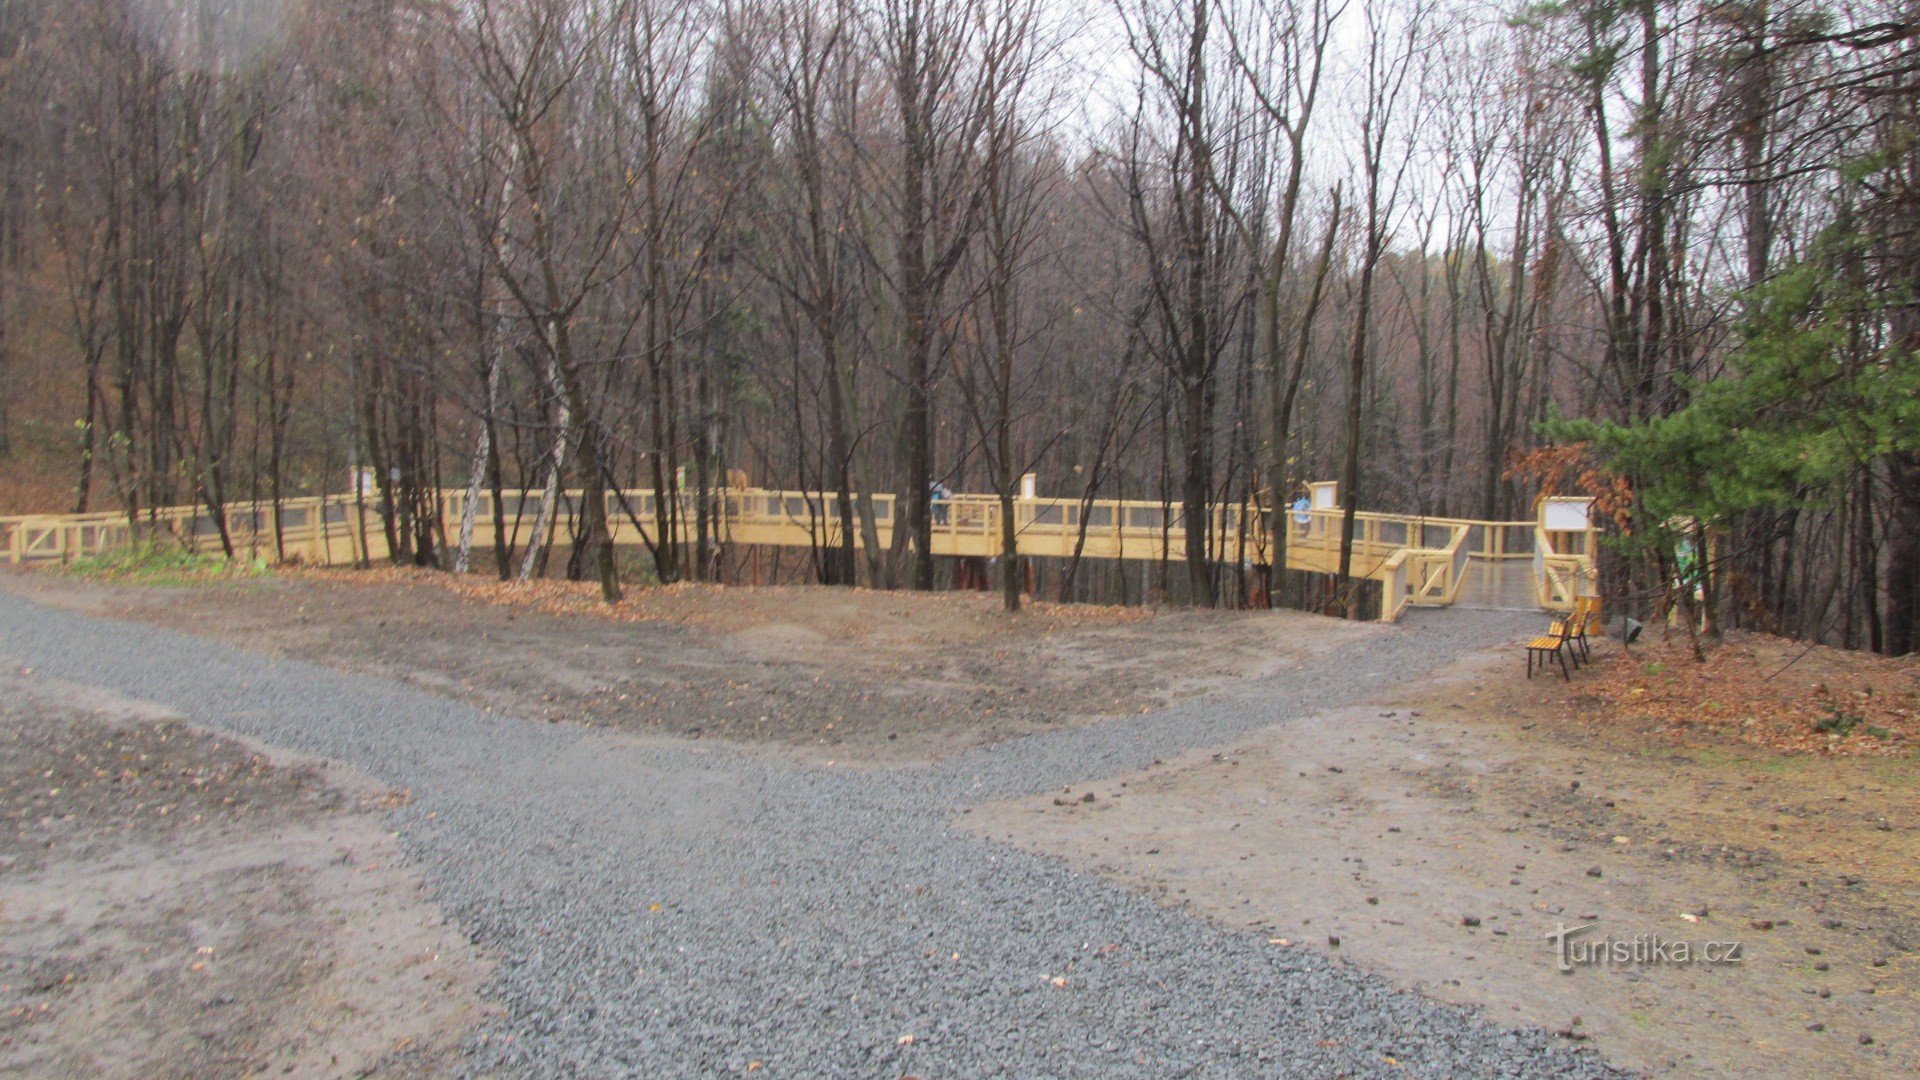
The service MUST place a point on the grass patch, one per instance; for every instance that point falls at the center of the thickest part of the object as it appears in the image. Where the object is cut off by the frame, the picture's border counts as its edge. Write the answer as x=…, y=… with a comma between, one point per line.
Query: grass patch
x=1904, y=772
x=1714, y=758
x=161, y=562
x=1781, y=765
x=1708, y=757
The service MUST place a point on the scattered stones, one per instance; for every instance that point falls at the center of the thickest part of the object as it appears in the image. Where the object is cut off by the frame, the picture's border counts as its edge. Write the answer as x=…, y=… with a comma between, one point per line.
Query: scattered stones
x=549, y=839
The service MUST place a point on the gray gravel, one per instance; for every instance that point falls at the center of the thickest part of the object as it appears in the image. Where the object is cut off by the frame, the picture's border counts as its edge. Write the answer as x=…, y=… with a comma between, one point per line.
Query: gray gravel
x=810, y=918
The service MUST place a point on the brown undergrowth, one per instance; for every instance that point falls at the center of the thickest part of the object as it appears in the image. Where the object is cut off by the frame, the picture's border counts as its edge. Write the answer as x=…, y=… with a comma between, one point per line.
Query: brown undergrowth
x=1777, y=695
x=723, y=608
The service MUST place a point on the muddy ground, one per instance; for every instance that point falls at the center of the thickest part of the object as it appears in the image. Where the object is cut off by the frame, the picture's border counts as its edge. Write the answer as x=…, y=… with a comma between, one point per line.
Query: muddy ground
x=1438, y=837
x=848, y=674
x=1435, y=837
x=176, y=904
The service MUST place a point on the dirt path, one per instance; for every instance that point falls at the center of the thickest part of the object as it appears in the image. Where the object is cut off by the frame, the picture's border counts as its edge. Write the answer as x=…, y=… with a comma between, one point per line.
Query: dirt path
x=177, y=904
x=845, y=674
x=663, y=906
x=710, y=902
x=1438, y=838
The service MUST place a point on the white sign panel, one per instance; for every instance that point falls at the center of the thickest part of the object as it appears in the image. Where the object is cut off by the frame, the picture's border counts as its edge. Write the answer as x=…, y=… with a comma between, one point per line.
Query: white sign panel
x=1568, y=515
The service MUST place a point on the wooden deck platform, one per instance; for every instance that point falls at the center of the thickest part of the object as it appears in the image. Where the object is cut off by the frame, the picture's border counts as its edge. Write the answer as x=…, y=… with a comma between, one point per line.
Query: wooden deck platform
x=1420, y=561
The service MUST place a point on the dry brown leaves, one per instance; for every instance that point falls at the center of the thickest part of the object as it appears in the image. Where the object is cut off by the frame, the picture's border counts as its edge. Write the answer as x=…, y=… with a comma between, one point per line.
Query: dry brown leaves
x=1782, y=695
x=27, y=488
x=726, y=608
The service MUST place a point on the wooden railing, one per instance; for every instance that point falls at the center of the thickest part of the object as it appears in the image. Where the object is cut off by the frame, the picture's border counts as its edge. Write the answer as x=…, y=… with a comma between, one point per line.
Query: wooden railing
x=1418, y=560
x=1561, y=576
x=301, y=526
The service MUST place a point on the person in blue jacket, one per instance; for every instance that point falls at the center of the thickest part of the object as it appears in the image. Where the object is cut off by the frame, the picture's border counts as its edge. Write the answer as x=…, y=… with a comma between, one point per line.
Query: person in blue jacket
x=940, y=502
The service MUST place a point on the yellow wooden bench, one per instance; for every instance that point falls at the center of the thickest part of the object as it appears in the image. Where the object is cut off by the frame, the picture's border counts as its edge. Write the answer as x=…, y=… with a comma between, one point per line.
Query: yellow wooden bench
x=1554, y=645
x=1568, y=638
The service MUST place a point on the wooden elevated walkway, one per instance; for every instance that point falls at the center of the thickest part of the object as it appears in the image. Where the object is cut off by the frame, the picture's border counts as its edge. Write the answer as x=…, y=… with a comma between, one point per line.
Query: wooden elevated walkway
x=1420, y=561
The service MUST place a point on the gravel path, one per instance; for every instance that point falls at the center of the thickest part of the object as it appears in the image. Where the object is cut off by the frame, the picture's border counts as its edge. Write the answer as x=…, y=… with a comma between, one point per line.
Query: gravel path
x=665, y=909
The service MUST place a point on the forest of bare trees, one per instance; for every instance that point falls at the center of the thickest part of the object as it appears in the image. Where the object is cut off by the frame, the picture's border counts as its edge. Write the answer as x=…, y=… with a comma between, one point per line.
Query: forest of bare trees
x=1189, y=251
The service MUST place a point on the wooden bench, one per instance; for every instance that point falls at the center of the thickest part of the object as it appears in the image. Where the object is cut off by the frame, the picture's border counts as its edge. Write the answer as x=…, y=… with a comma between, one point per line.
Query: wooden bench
x=1586, y=624
x=1568, y=638
x=1556, y=644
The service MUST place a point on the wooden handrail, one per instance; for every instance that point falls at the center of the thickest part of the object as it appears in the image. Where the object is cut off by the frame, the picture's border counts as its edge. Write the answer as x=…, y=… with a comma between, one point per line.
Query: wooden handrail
x=327, y=529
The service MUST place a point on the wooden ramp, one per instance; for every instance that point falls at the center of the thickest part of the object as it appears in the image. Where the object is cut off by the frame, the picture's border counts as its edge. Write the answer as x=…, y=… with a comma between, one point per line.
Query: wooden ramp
x=1419, y=561
x=1499, y=585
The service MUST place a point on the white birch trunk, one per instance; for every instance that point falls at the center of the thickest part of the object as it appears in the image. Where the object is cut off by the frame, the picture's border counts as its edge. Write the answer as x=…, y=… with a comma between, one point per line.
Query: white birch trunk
x=537, y=543
x=483, y=446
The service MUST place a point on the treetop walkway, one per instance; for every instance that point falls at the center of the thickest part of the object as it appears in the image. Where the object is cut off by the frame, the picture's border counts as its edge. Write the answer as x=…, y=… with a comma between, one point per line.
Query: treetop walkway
x=1419, y=561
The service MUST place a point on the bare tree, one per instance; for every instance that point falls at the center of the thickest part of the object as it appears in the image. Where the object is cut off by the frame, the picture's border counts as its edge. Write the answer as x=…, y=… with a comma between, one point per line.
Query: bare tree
x=924, y=48
x=574, y=197
x=1017, y=175
x=1392, y=53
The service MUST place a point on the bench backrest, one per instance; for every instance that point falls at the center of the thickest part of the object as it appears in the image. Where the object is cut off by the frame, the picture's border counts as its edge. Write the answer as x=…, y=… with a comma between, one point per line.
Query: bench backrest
x=1586, y=612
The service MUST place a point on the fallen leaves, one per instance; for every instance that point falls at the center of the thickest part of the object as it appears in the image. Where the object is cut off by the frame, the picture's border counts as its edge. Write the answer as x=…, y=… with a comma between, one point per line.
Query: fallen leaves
x=723, y=608
x=153, y=777
x=1763, y=690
